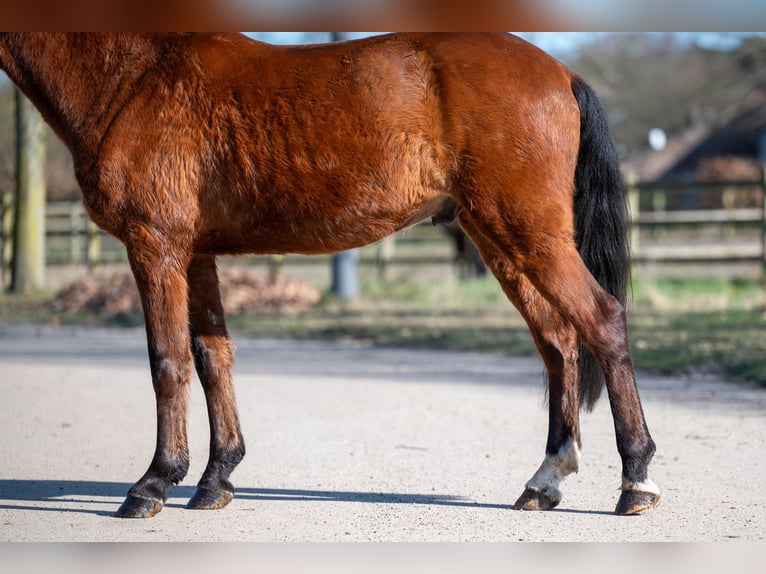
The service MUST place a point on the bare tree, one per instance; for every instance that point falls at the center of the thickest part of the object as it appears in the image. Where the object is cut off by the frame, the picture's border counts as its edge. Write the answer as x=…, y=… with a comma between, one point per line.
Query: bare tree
x=654, y=80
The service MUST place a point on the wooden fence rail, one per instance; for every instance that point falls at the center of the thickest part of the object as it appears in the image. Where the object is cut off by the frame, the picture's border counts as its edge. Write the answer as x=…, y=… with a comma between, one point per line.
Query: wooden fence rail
x=667, y=226
x=671, y=223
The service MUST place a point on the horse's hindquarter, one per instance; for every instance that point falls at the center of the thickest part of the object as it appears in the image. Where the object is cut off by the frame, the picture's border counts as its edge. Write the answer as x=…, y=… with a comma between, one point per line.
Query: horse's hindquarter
x=510, y=110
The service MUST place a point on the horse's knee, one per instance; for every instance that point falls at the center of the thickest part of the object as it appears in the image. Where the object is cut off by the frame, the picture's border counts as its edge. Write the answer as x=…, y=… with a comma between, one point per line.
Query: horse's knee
x=168, y=376
x=213, y=357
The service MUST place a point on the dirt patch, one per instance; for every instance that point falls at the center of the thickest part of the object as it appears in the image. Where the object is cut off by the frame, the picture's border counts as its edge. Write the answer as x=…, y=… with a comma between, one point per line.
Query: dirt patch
x=242, y=290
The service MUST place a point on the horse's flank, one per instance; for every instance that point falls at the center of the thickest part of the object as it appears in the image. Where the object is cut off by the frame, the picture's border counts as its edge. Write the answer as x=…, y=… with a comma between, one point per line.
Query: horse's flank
x=293, y=137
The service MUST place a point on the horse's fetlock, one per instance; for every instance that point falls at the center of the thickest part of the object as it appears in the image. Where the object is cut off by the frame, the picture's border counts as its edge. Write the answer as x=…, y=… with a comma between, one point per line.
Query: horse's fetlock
x=169, y=470
x=231, y=457
x=636, y=459
x=179, y=470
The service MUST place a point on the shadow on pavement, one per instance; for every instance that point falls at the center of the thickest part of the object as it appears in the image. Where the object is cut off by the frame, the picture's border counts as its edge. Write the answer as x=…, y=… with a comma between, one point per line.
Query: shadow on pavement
x=91, y=492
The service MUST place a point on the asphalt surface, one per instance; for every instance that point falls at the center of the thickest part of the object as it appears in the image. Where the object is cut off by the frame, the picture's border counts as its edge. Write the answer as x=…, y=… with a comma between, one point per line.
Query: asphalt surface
x=352, y=443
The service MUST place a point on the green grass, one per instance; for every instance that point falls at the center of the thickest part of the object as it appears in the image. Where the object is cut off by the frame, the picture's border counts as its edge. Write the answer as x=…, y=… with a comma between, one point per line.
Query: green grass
x=677, y=326
x=698, y=294
x=724, y=342
x=437, y=291
x=457, y=329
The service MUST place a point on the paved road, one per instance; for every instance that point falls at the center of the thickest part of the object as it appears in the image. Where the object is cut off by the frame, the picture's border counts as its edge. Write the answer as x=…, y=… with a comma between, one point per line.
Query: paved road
x=351, y=443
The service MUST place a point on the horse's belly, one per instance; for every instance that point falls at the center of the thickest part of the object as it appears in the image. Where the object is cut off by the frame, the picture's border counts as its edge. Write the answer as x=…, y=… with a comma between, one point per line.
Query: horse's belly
x=322, y=203
x=325, y=229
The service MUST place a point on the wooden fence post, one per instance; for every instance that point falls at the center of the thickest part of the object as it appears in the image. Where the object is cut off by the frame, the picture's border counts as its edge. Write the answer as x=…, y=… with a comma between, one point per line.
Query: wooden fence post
x=631, y=180
x=763, y=220
x=276, y=268
x=75, y=239
x=29, y=217
x=659, y=205
x=386, y=248
x=6, y=231
x=93, y=247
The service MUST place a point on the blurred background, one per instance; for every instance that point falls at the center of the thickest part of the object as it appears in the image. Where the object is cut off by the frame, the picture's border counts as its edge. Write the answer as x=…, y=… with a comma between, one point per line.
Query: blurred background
x=688, y=112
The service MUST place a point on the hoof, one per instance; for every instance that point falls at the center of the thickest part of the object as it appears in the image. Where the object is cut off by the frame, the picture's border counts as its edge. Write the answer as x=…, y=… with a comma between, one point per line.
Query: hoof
x=206, y=499
x=532, y=499
x=137, y=507
x=635, y=501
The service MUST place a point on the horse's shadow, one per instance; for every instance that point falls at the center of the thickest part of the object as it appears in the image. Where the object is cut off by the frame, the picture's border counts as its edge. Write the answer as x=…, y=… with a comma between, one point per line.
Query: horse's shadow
x=69, y=496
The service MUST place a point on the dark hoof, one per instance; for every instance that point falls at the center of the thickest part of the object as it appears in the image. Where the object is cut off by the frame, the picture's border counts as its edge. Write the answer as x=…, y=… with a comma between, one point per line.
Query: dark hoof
x=206, y=499
x=535, y=500
x=634, y=502
x=136, y=507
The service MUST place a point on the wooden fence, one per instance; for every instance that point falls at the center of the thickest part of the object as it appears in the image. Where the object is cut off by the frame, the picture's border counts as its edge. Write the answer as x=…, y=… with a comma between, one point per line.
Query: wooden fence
x=668, y=226
x=720, y=222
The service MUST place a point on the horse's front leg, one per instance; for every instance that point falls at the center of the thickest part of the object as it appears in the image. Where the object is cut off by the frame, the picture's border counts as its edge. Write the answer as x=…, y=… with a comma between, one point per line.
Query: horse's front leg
x=213, y=357
x=160, y=274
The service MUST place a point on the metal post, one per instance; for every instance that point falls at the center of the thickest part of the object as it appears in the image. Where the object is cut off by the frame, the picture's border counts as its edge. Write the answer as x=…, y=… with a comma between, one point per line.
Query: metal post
x=345, y=274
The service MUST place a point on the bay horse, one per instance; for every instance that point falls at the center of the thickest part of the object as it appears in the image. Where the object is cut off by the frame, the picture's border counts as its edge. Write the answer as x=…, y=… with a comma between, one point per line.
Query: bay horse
x=191, y=145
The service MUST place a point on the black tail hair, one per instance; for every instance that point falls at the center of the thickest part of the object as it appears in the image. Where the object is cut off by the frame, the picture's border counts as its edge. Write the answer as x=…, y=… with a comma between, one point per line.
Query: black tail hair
x=602, y=224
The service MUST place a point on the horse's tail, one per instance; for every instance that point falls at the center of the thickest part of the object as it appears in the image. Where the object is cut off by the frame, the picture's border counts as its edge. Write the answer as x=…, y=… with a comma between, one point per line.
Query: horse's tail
x=602, y=225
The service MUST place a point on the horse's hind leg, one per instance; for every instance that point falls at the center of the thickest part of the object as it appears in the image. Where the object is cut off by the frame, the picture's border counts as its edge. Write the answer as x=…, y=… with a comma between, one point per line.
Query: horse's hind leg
x=548, y=257
x=213, y=358
x=600, y=322
x=557, y=342
x=160, y=274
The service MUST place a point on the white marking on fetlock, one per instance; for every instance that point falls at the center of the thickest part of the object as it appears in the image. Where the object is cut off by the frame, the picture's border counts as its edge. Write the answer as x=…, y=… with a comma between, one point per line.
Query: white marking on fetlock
x=555, y=468
x=643, y=486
